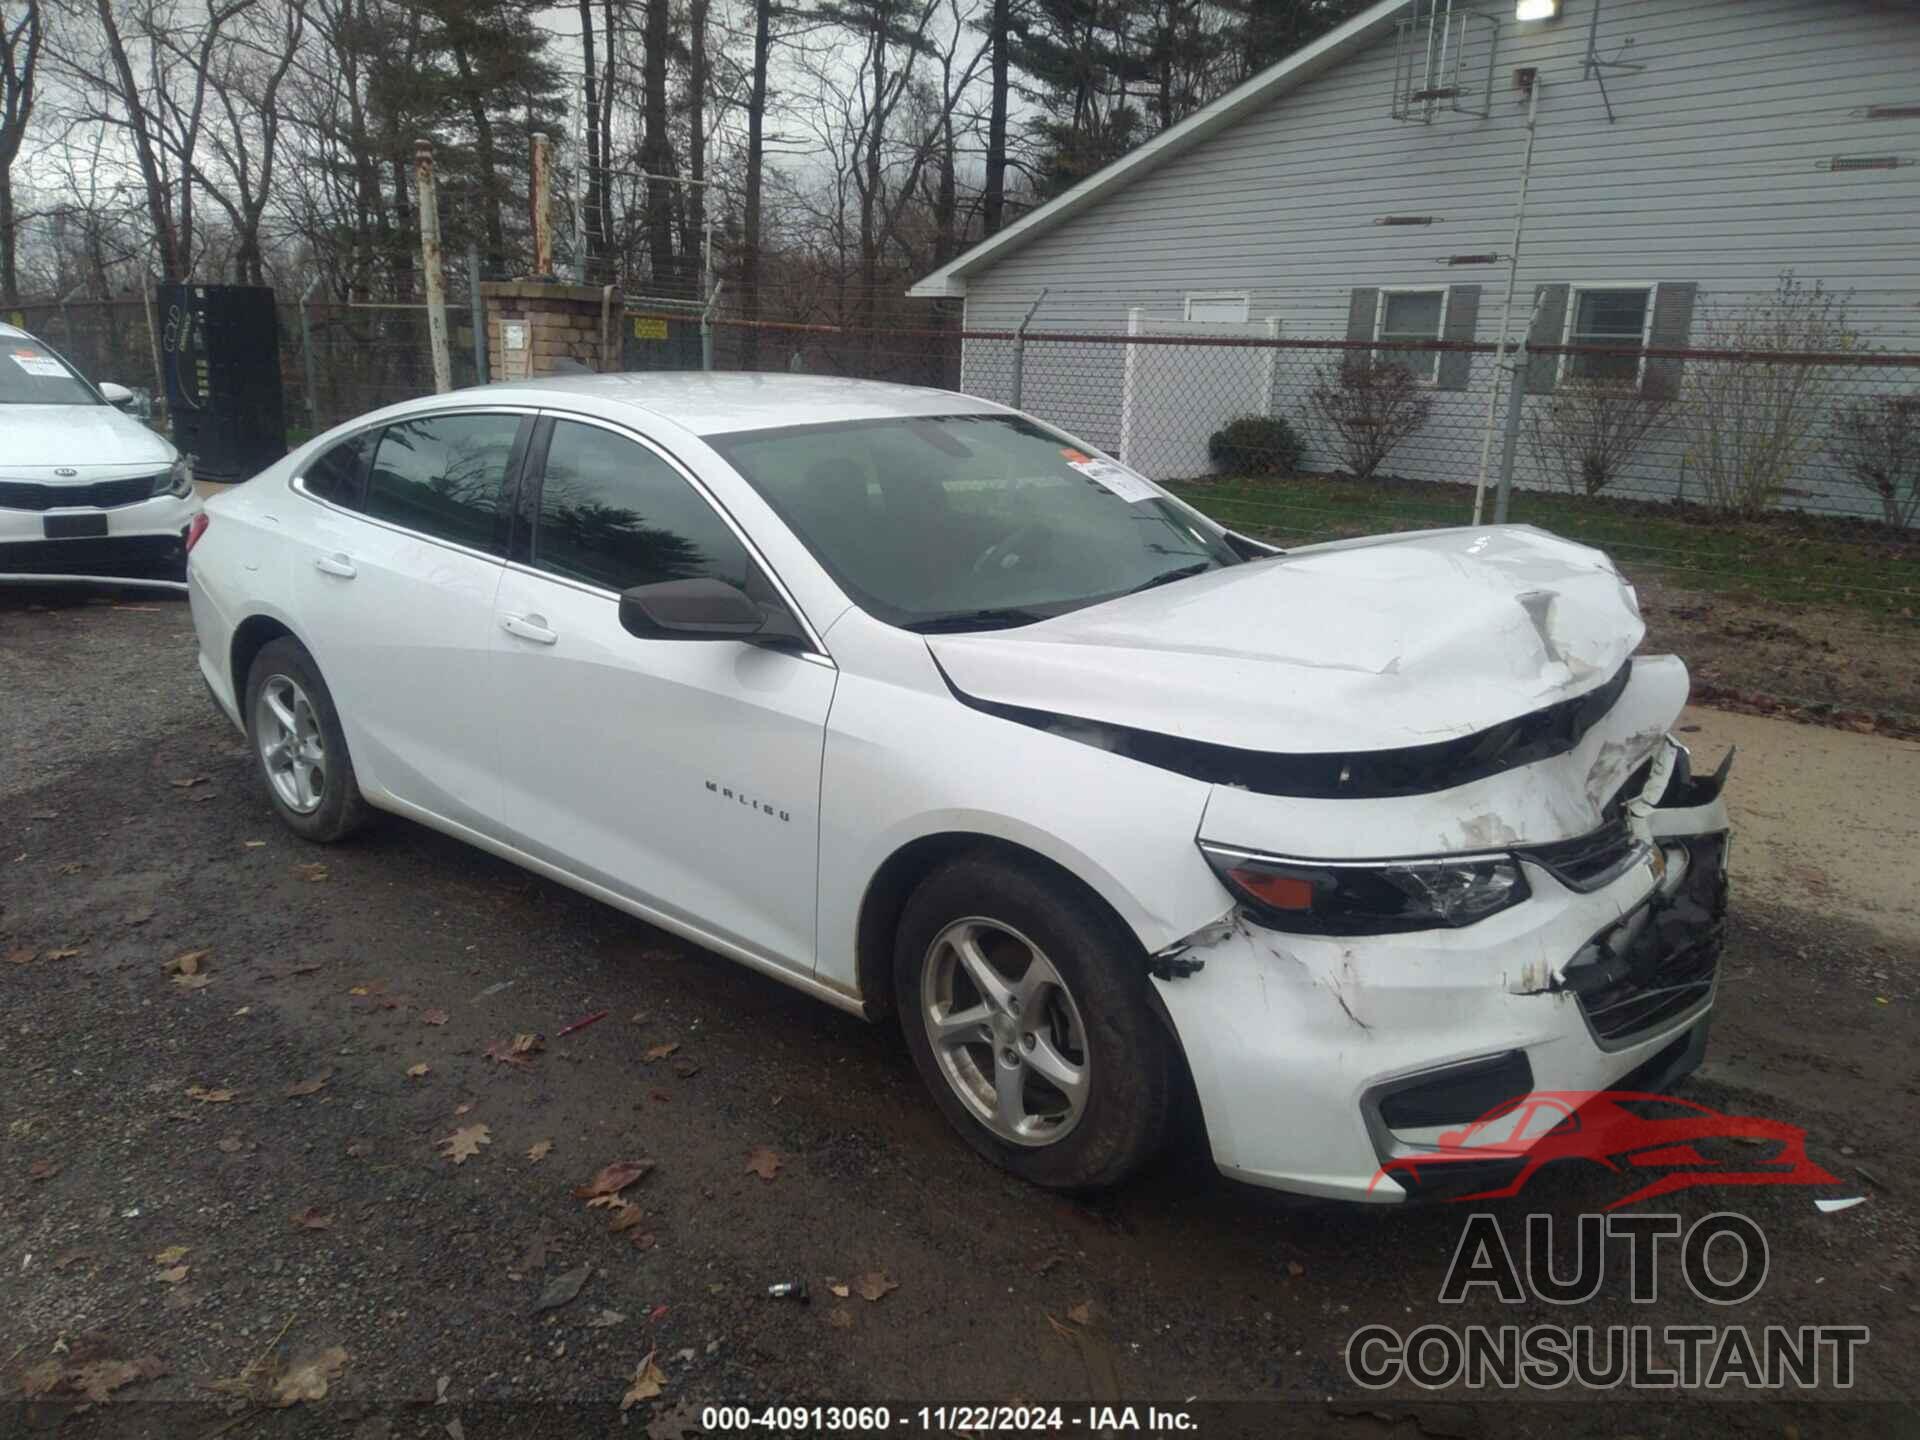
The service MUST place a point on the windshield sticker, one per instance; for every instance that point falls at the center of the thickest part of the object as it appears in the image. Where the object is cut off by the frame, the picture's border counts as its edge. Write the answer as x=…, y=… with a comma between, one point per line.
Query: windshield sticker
x=39, y=364
x=1113, y=476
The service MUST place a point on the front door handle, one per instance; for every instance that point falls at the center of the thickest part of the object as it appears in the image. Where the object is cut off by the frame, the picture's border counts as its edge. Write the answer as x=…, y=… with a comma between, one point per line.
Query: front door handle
x=529, y=627
x=335, y=565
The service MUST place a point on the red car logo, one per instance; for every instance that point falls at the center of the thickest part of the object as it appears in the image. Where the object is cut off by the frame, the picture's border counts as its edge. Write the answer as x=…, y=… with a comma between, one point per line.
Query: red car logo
x=1624, y=1131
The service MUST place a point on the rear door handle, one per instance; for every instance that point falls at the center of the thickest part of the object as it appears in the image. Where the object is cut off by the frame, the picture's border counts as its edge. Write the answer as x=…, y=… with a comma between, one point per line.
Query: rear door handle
x=335, y=565
x=529, y=627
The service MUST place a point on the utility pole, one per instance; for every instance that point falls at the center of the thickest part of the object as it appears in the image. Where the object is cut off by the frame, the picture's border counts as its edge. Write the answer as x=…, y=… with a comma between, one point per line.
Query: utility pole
x=430, y=266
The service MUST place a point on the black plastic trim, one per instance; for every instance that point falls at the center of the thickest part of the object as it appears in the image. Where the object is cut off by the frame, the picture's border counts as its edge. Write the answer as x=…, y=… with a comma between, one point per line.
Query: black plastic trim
x=1357, y=775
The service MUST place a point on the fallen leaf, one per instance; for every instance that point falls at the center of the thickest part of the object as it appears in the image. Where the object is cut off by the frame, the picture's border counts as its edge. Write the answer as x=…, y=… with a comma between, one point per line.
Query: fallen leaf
x=21, y=956
x=1296, y=1269
x=539, y=1150
x=63, y=952
x=187, y=962
x=660, y=1052
x=644, y=1240
x=98, y=1380
x=466, y=1142
x=187, y=782
x=308, y=1087
x=1081, y=1314
x=648, y=1381
x=210, y=1097
x=43, y=1169
x=433, y=1017
x=172, y=1255
x=613, y=1178
x=231, y=1144
x=840, y=1318
x=563, y=1289
x=660, y=1097
x=839, y=1288
x=625, y=1218
x=174, y=1275
x=359, y=1149
x=605, y=1319
x=358, y=990
x=536, y=1256
x=517, y=1051
x=463, y=1107
x=874, y=1284
x=313, y=871
x=686, y=1068
x=307, y=1379
x=313, y=1218
x=71, y=1258
x=414, y=1072
x=763, y=1162
x=193, y=982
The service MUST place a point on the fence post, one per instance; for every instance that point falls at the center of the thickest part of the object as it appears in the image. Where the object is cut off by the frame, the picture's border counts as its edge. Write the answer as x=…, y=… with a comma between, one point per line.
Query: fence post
x=430, y=264
x=1020, y=348
x=706, y=326
x=481, y=377
x=153, y=348
x=306, y=351
x=1510, y=441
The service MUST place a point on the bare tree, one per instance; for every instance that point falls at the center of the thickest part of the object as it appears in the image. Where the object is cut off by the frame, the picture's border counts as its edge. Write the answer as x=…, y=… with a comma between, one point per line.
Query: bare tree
x=20, y=41
x=1366, y=409
x=1876, y=444
x=1591, y=430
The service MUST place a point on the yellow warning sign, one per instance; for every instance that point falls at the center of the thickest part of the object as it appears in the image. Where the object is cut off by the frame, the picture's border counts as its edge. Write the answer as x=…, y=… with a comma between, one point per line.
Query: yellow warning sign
x=649, y=327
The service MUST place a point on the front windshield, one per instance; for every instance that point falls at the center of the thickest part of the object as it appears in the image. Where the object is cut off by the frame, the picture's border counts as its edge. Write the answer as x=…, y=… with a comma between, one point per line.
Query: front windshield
x=31, y=374
x=971, y=521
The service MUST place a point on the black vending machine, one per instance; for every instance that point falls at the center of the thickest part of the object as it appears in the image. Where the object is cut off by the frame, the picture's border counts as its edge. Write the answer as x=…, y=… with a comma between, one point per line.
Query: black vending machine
x=220, y=354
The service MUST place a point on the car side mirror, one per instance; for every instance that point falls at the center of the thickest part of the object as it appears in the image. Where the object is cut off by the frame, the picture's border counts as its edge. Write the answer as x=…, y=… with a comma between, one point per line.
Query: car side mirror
x=118, y=396
x=703, y=609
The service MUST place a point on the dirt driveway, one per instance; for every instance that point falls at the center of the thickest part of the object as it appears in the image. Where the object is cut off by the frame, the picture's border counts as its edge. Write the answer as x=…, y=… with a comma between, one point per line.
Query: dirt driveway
x=245, y=1165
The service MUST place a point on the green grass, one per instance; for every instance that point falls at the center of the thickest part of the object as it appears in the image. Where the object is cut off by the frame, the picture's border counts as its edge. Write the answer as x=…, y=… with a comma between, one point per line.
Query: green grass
x=1789, y=558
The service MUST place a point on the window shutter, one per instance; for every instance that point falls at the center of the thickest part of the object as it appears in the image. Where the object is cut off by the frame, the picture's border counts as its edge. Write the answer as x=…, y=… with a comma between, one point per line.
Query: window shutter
x=1360, y=312
x=1549, y=327
x=1672, y=320
x=1463, y=315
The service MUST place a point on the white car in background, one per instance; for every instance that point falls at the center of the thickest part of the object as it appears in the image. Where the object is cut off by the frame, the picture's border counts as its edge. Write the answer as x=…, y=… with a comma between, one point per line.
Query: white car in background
x=84, y=487
x=923, y=707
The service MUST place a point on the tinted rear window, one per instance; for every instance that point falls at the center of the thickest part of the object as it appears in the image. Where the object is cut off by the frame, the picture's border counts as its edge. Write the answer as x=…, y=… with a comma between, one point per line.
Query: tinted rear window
x=445, y=476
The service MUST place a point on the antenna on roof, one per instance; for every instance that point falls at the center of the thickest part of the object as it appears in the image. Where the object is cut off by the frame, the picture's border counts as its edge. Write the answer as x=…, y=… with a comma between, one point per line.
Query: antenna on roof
x=1438, y=62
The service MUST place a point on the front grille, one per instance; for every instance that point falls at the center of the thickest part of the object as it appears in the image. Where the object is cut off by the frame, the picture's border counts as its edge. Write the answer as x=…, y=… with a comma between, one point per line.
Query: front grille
x=102, y=495
x=1660, y=961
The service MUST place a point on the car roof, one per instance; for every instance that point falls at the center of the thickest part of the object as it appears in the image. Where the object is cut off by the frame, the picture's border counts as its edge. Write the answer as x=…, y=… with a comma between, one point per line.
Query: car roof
x=710, y=403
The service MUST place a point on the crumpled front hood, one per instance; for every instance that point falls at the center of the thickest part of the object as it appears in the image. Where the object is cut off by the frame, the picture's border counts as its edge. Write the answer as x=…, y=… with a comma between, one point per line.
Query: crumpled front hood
x=39, y=438
x=1369, y=644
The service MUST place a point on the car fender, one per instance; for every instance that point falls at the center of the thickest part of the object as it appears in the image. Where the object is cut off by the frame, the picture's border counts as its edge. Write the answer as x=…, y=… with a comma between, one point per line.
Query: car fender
x=1124, y=829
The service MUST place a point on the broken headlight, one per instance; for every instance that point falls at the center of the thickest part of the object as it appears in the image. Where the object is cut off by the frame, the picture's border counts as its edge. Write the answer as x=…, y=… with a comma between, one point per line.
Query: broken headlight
x=1369, y=897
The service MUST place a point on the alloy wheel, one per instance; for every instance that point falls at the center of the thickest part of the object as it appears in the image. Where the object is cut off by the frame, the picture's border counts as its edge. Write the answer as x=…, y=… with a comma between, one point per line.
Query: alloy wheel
x=1005, y=1031
x=292, y=748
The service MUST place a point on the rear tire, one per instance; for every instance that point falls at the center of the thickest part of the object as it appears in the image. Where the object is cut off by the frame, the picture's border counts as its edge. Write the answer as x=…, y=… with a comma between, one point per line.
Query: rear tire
x=1024, y=1002
x=299, y=746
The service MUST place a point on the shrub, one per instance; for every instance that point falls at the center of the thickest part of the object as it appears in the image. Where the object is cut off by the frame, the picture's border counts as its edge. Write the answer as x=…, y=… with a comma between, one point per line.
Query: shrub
x=1590, y=431
x=1364, y=409
x=1748, y=425
x=1255, y=445
x=1877, y=443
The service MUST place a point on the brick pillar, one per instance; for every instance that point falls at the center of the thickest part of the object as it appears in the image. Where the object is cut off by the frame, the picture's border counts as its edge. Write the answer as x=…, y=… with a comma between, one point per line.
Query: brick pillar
x=531, y=324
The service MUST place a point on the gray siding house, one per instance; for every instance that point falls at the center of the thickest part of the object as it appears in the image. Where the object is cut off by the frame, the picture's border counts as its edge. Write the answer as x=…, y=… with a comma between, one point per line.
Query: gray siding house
x=1686, y=152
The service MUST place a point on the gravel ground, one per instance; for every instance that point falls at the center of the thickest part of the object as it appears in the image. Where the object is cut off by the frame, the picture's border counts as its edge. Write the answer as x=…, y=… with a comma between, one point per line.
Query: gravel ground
x=147, y=1113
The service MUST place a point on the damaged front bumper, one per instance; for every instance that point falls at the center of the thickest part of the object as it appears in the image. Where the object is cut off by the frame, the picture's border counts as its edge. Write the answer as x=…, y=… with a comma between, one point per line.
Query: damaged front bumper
x=1324, y=1063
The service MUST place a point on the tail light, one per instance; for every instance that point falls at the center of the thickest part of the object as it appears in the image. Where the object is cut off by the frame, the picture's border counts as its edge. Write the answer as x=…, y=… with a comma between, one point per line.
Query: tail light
x=196, y=527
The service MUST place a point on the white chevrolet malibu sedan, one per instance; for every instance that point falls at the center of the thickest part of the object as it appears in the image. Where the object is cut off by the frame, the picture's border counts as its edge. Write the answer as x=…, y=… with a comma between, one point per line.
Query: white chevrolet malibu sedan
x=923, y=707
x=83, y=486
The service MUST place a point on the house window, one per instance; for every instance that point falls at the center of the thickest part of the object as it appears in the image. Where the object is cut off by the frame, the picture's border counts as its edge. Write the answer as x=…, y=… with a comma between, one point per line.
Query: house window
x=1411, y=315
x=1616, y=317
x=1216, y=306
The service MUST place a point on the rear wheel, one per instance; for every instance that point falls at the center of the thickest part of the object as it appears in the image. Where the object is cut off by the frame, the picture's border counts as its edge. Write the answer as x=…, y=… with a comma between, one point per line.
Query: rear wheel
x=1024, y=1003
x=299, y=745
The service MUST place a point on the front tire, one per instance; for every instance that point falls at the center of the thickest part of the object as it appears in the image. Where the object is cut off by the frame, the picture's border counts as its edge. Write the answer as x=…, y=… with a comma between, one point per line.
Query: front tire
x=299, y=746
x=1025, y=1005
